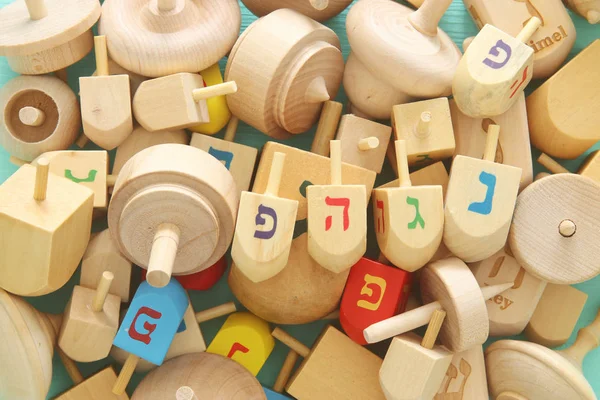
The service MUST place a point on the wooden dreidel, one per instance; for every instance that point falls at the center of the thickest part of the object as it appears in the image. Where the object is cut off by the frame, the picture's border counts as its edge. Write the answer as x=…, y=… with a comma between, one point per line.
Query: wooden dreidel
x=244, y=338
x=480, y=203
x=175, y=101
x=319, y=10
x=239, y=159
x=135, y=80
x=161, y=310
x=41, y=36
x=410, y=219
x=172, y=211
x=96, y=387
x=50, y=211
x=536, y=372
x=203, y=280
x=105, y=102
x=264, y=229
x=466, y=377
x=373, y=292
x=218, y=111
x=337, y=243
x=494, y=70
x=446, y=285
x=591, y=166
x=336, y=368
x=588, y=9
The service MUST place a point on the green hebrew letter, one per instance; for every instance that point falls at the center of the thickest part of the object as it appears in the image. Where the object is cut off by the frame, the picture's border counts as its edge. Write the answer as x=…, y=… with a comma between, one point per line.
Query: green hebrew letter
x=90, y=178
x=418, y=218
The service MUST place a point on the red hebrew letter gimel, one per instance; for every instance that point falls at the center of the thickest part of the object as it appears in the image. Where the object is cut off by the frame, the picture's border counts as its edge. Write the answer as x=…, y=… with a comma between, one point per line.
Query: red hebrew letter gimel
x=339, y=202
x=144, y=337
x=237, y=347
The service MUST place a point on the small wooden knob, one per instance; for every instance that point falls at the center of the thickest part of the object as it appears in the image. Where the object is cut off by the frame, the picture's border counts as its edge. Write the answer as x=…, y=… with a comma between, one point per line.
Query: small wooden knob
x=316, y=92
x=369, y=143
x=37, y=9
x=166, y=5
x=424, y=125
x=31, y=116
x=102, y=291
x=185, y=393
x=319, y=4
x=567, y=228
x=529, y=29
x=336, y=162
x=41, y=179
x=162, y=258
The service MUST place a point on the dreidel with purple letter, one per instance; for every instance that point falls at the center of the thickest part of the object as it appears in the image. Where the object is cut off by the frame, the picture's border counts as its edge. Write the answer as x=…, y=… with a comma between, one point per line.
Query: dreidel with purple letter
x=264, y=229
x=337, y=242
x=409, y=219
x=149, y=326
x=494, y=70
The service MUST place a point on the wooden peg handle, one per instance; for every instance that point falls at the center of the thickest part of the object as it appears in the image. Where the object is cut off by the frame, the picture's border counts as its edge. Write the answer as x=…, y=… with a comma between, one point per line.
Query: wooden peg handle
x=319, y=4
x=286, y=371
x=391, y=156
x=529, y=29
x=220, y=89
x=368, y=143
x=593, y=16
x=336, y=162
x=215, y=312
x=166, y=5
x=551, y=164
x=275, y=174
x=162, y=257
x=491, y=143
x=185, y=393
x=427, y=17
x=101, y=55
x=567, y=228
x=37, y=9
x=291, y=342
x=433, y=329
x=32, y=116
x=317, y=92
x=125, y=374
x=423, y=128
x=70, y=367
x=402, y=163
x=102, y=291
x=588, y=339
x=327, y=128
x=490, y=291
x=41, y=179
x=232, y=127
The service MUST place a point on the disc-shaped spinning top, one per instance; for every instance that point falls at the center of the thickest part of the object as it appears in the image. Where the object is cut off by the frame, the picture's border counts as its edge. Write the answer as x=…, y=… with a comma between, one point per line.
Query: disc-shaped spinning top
x=163, y=37
x=319, y=10
x=41, y=36
x=554, y=233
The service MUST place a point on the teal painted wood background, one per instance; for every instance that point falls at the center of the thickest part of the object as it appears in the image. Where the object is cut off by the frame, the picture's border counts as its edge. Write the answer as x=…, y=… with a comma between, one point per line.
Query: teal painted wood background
x=457, y=23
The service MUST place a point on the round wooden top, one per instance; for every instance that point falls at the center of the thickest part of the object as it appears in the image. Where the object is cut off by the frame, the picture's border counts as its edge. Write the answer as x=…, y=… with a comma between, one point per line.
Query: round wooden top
x=533, y=371
x=415, y=63
x=66, y=20
x=264, y=7
x=540, y=238
x=210, y=376
x=151, y=42
x=452, y=283
x=180, y=185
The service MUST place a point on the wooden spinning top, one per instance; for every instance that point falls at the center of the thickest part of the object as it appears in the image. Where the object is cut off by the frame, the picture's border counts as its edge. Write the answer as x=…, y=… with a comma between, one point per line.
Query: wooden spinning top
x=319, y=10
x=41, y=36
x=163, y=37
x=588, y=9
x=286, y=66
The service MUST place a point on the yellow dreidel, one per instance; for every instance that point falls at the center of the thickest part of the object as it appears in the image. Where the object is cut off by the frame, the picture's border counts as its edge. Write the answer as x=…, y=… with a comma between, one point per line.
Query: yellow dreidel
x=337, y=243
x=410, y=219
x=480, y=203
x=264, y=229
x=494, y=70
x=218, y=111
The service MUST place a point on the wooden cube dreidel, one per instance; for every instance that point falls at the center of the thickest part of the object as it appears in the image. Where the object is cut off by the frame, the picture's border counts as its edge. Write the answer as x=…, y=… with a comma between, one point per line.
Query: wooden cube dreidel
x=556, y=315
x=364, y=142
x=336, y=368
x=105, y=102
x=446, y=285
x=414, y=369
x=319, y=10
x=173, y=211
x=337, y=243
x=96, y=387
x=556, y=107
x=434, y=174
x=239, y=159
x=555, y=219
x=50, y=211
x=135, y=80
x=244, y=338
x=161, y=310
x=591, y=166
x=480, y=203
x=175, y=101
x=218, y=110
x=536, y=372
x=90, y=322
x=588, y=9
x=494, y=70
x=264, y=229
x=421, y=58
x=466, y=377
x=427, y=128
x=410, y=219
x=41, y=36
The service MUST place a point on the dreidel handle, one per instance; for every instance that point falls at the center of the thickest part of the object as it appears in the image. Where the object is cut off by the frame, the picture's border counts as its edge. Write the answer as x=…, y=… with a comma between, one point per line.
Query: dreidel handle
x=433, y=329
x=335, y=155
x=125, y=374
x=101, y=55
x=427, y=18
x=402, y=163
x=286, y=371
x=491, y=143
x=37, y=9
x=275, y=174
x=231, y=130
x=291, y=342
x=529, y=29
x=327, y=127
x=588, y=339
x=551, y=165
x=319, y=4
x=215, y=312
x=185, y=393
x=162, y=257
x=41, y=179
x=102, y=291
x=220, y=89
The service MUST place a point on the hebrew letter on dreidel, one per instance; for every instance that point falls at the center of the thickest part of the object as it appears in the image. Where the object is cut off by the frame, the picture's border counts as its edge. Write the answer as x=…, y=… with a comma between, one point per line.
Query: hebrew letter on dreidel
x=378, y=282
x=90, y=178
x=380, y=220
x=338, y=202
x=225, y=156
x=237, y=347
x=485, y=207
x=495, y=51
x=260, y=220
x=418, y=218
x=144, y=337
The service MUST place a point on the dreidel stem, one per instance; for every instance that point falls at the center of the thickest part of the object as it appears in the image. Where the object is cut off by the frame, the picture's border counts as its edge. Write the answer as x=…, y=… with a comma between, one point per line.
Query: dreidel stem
x=291, y=342
x=327, y=127
x=215, y=312
x=286, y=371
x=70, y=367
x=319, y=4
x=317, y=92
x=368, y=143
x=41, y=179
x=529, y=29
x=101, y=55
x=232, y=127
x=427, y=18
x=402, y=163
x=433, y=329
x=491, y=143
x=275, y=174
x=335, y=155
x=125, y=374
x=166, y=5
x=37, y=9
x=32, y=116
x=220, y=89
x=102, y=291
x=162, y=257
x=423, y=127
x=551, y=165
x=588, y=339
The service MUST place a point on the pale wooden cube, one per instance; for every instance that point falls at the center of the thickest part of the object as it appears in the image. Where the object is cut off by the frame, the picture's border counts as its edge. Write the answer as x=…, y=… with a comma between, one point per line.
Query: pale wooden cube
x=434, y=174
x=352, y=130
x=97, y=387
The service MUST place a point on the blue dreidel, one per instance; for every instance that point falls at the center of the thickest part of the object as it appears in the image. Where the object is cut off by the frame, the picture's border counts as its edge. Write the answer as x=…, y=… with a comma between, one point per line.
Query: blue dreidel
x=149, y=327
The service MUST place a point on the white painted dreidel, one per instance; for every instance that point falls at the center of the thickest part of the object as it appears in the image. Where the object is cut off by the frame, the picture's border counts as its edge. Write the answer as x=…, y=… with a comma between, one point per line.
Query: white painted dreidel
x=337, y=242
x=105, y=102
x=264, y=229
x=409, y=219
x=494, y=70
x=480, y=203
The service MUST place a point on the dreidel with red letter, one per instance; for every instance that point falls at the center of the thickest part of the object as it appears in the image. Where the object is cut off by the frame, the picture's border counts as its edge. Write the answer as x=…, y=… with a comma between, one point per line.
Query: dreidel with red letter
x=149, y=326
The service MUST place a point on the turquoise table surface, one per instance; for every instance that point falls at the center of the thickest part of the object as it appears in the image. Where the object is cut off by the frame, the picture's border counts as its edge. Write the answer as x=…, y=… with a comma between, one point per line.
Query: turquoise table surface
x=458, y=24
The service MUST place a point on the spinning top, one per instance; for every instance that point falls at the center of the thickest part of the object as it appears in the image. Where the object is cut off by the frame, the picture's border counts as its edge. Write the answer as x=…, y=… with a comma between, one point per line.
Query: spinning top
x=319, y=10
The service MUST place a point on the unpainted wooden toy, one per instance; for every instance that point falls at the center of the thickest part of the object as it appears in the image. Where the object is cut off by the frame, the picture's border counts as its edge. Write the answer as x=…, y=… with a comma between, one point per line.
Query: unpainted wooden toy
x=173, y=211
x=97, y=387
x=554, y=109
x=331, y=113
x=536, y=372
x=551, y=43
x=40, y=114
x=434, y=174
x=41, y=36
x=286, y=65
x=135, y=80
x=319, y=10
x=420, y=59
x=591, y=166
x=218, y=111
x=588, y=9
x=203, y=280
x=466, y=377
x=162, y=37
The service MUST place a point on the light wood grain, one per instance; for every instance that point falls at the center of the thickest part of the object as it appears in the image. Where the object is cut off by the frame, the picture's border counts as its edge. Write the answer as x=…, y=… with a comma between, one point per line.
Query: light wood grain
x=588, y=9
x=327, y=127
x=326, y=10
x=135, y=80
x=591, y=166
x=465, y=378
x=433, y=329
x=218, y=111
x=286, y=371
x=434, y=174
x=97, y=387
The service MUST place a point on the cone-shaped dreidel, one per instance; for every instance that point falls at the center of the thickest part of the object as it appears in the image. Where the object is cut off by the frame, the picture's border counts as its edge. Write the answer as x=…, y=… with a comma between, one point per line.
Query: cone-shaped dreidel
x=409, y=219
x=480, y=203
x=264, y=229
x=337, y=219
x=494, y=70
x=105, y=102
